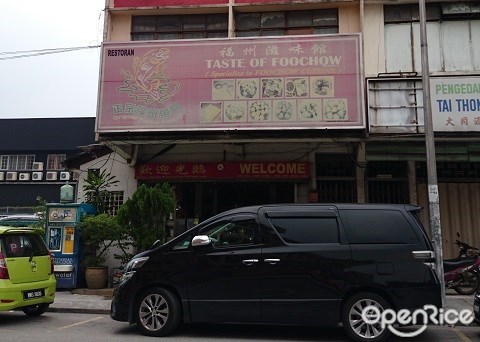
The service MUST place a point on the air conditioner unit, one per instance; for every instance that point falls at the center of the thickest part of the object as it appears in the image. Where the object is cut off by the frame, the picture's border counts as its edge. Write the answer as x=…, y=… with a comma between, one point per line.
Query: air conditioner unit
x=23, y=176
x=38, y=166
x=12, y=176
x=37, y=176
x=65, y=175
x=51, y=175
x=2, y=176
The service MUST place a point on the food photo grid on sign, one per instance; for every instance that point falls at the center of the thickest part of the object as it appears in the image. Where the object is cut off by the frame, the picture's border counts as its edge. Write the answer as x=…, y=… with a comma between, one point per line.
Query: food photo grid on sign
x=279, y=99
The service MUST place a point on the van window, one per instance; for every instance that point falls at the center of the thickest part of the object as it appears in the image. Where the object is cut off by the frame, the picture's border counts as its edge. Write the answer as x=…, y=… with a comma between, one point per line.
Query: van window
x=306, y=229
x=232, y=233
x=378, y=226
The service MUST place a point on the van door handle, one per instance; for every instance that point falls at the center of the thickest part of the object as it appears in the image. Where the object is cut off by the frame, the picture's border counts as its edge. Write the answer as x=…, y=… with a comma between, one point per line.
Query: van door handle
x=271, y=261
x=249, y=261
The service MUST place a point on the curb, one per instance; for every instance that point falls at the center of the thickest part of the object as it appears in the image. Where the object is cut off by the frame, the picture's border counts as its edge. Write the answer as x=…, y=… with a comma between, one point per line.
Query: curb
x=79, y=311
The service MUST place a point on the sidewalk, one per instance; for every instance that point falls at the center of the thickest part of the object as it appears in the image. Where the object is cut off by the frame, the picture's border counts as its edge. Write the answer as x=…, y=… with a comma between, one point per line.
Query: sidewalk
x=82, y=301
x=98, y=301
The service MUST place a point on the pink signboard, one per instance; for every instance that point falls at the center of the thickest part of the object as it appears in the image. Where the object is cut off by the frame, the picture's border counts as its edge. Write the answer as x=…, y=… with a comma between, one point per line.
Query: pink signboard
x=165, y=3
x=231, y=84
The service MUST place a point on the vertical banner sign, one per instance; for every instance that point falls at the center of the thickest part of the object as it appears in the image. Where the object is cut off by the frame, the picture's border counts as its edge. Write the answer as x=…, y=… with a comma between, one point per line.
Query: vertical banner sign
x=242, y=83
x=455, y=103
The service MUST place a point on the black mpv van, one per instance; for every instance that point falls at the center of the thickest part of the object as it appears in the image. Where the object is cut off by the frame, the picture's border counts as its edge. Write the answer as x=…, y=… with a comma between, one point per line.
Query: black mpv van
x=302, y=264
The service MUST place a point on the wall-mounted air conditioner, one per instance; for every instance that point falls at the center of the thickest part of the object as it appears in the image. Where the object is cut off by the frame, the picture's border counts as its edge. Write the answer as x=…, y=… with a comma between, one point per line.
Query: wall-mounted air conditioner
x=65, y=175
x=23, y=176
x=37, y=176
x=37, y=166
x=51, y=175
x=2, y=176
x=11, y=176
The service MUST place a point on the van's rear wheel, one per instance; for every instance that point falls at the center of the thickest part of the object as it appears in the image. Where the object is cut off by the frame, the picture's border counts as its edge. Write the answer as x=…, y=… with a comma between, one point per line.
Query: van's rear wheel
x=355, y=326
x=158, y=312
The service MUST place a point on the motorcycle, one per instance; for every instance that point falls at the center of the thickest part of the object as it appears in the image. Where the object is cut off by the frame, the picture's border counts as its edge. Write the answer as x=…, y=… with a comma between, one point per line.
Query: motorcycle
x=462, y=273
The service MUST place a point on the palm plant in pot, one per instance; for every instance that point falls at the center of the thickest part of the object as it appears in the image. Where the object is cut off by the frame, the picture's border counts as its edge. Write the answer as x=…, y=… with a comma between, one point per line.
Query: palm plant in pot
x=99, y=233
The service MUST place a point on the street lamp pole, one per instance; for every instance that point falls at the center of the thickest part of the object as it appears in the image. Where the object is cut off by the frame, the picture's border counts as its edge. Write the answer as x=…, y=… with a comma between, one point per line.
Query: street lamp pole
x=433, y=197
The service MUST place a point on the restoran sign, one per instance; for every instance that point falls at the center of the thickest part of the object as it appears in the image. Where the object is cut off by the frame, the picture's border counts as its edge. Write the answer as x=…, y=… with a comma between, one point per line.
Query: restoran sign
x=230, y=84
x=226, y=170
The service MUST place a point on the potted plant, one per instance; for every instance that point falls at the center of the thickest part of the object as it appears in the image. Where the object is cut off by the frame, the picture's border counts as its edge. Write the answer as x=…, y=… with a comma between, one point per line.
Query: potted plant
x=144, y=214
x=98, y=233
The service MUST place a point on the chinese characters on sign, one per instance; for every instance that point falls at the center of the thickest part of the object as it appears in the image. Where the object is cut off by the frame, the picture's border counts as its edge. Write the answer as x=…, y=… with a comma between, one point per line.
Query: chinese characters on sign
x=455, y=103
x=276, y=82
x=227, y=170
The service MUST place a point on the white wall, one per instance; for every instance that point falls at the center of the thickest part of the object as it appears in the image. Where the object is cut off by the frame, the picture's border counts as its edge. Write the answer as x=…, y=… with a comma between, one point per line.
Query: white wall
x=116, y=166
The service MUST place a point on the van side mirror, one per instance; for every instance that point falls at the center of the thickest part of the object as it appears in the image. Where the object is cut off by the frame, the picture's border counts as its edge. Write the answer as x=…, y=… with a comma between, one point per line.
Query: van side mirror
x=201, y=240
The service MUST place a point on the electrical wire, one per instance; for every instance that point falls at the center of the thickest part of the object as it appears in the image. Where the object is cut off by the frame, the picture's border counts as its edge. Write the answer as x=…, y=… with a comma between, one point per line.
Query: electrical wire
x=34, y=53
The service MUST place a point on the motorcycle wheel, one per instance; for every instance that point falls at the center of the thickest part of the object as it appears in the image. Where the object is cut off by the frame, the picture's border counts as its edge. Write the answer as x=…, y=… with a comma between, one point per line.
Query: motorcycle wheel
x=469, y=283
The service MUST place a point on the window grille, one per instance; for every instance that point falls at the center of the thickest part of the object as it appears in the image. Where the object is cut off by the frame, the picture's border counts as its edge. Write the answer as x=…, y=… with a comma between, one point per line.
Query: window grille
x=17, y=162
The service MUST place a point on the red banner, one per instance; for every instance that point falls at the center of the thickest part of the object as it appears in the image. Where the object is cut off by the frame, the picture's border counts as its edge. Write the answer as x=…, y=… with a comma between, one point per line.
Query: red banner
x=226, y=170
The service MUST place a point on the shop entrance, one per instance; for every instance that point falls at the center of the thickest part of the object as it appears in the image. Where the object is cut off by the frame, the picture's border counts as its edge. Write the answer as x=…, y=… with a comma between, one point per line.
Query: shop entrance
x=199, y=201
x=233, y=195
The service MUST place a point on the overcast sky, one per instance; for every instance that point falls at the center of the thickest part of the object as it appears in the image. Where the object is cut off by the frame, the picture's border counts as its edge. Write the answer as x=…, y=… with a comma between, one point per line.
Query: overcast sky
x=53, y=85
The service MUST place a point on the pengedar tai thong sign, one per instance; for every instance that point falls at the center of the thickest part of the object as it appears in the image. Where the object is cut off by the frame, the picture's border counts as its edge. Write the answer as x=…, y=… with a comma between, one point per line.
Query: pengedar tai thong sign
x=231, y=84
x=226, y=170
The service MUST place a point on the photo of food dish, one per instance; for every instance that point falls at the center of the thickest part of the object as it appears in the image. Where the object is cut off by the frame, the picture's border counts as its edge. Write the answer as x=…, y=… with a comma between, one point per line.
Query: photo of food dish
x=284, y=110
x=247, y=88
x=335, y=110
x=259, y=111
x=210, y=112
x=272, y=87
x=310, y=110
x=223, y=90
x=235, y=111
x=296, y=87
x=322, y=86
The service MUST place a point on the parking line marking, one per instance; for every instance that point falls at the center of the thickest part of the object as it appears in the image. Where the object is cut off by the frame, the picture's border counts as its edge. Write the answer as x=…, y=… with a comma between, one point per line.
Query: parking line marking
x=462, y=336
x=79, y=323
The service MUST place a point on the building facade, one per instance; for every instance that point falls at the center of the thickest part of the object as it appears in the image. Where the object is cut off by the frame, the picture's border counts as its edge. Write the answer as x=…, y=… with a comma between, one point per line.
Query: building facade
x=32, y=152
x=246, y=101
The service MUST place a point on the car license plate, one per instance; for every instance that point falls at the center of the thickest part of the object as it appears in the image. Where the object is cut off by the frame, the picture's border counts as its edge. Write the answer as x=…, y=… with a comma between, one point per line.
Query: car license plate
x=34, y=294
x=476, y=308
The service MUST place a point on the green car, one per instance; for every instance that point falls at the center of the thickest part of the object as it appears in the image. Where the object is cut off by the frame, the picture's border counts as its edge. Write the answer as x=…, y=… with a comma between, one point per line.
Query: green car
x=27, y=281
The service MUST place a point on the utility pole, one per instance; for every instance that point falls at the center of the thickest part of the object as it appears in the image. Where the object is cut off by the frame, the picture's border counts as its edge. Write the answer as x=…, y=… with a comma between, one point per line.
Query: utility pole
x=433, y=197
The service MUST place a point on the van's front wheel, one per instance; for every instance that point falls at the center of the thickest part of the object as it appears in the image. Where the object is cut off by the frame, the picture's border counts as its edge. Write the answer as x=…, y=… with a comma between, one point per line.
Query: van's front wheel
x=158, y=312
x=355, y=326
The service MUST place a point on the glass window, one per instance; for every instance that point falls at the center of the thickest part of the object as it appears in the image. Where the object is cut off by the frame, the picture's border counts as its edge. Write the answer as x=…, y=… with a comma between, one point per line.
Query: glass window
x=168, y=23
x=17, y=162
x=183, y=243
x=232, y=233
x=23, y=245
x=217, y=22
x=325, y=17
x=307, y=229
x=54, y=161
x=273, y=19
x=113, y=200
x=315, y=21
x=164, y=27
x=194, y=22
x=299, y=19
x=410, y=13
x=378, y=226
x=144, y=24
x=245, y=21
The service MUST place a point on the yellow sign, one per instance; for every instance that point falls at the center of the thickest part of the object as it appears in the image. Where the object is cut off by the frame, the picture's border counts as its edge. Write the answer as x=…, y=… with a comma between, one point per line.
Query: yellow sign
x=69, y=237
